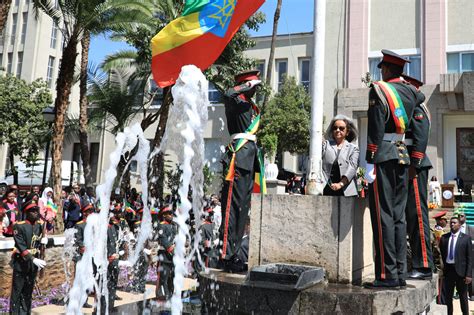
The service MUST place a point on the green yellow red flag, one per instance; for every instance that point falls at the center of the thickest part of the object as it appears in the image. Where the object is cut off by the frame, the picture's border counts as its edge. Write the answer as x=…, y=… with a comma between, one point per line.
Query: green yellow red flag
x=198, y=36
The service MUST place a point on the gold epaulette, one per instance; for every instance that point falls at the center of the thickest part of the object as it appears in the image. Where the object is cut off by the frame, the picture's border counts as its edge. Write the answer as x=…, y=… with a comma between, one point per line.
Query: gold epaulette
x=19, y=222
x=82, y=221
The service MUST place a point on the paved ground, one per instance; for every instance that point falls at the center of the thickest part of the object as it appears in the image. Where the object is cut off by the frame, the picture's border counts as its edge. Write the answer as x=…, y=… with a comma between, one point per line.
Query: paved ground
x=127, y=298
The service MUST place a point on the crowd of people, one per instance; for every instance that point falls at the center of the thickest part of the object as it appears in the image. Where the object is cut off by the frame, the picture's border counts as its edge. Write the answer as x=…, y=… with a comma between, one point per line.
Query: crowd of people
x=14, y=202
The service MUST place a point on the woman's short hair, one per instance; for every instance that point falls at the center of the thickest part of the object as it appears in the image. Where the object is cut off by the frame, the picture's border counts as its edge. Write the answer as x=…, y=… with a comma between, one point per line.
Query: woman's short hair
x=351, y=128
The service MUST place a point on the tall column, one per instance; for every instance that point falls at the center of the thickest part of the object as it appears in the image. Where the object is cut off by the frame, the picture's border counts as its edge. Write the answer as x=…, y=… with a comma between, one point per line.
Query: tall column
x=434, y=26
x=317, y=96
x=357, y=42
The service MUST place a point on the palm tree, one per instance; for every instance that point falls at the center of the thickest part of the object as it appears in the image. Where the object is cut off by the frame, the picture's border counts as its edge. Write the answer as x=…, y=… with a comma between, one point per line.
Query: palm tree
x=76, y=17
x=4, y=9
x=268, y=79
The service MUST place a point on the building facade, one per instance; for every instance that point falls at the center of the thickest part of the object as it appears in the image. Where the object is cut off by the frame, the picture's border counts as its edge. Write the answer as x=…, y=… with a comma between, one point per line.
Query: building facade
x=437, y=36
x=31, y=48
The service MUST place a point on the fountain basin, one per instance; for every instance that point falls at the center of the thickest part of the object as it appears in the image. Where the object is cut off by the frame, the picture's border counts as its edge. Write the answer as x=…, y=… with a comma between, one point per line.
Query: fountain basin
x=285, y=276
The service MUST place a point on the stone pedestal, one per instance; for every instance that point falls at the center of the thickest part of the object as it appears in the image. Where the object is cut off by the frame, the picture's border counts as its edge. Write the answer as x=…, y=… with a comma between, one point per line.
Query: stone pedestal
x=330, y=232
x=275, y=187
x=224, y=293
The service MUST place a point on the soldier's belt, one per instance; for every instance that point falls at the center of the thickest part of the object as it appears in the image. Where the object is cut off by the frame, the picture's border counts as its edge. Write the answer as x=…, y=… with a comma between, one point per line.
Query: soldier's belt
x=409, y=142
x=244, y=135
x=393, y=137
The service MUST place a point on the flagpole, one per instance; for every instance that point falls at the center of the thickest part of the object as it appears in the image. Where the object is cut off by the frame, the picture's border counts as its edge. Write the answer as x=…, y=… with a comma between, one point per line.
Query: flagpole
x=317, y=97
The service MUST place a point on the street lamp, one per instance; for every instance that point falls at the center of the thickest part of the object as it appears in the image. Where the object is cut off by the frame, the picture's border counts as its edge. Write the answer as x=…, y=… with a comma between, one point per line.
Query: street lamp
x=49, y=113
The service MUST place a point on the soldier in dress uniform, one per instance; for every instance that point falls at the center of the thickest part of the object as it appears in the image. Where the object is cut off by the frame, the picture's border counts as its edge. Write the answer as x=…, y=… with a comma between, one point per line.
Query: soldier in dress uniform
x=208, y=248
x=28, y=236
x=112, y=268
x=80, y=228
x=391, y=106
x=239, y=162
x=416, y=211
x=167, y=231
x=438, y=231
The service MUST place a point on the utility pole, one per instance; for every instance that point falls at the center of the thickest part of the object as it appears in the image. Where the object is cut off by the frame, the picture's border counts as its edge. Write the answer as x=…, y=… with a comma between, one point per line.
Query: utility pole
x=317, y=98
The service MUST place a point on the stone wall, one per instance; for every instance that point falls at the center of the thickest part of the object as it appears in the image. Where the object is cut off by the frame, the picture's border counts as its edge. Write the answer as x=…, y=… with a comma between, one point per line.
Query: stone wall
x=331, y=232
x=53, y=273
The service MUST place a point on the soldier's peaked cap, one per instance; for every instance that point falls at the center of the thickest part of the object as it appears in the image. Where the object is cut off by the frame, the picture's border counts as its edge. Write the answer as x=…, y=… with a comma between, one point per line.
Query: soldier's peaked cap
x=31, y=207
x=393, y=58
x=415, y=82
x=247, y=76
x=440, y=215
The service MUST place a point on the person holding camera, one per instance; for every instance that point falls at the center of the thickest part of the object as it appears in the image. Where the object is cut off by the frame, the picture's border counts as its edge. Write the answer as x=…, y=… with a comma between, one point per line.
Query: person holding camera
x=72, y=210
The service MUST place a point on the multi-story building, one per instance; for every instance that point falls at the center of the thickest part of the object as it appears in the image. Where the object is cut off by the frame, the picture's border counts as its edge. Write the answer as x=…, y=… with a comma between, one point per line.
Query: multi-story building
x=31, y=48
x=437, y=36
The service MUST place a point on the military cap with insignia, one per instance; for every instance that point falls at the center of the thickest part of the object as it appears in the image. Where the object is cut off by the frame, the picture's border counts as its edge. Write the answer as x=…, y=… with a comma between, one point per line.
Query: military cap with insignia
x=392, y=58
x=440, y=215
x=247, y=76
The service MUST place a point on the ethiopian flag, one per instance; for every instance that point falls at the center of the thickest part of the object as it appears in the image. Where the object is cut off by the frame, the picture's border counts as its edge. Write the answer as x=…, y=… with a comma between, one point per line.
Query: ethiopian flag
x=197, y=37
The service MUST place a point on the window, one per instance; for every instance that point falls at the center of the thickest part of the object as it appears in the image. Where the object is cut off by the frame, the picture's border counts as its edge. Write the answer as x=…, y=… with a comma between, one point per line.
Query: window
x=215, y=96
x=374, y=71
x=23, y=27
x=1, y=59
x=261, y=67
x=460, y=62
x=282, y=70
x=54, y=36
x=413, y=68
x=305, y=73
x=49, y=74
x=155, y=89
x=19, y=64
x=94, y=160
x=10, y=63
x=17, y=2
x=14, y=25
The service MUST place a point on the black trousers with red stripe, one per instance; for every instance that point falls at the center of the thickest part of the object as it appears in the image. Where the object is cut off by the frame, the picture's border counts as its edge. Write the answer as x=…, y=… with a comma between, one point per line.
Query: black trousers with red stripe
x=418, y=228
x=233, y=222
x=387, y=201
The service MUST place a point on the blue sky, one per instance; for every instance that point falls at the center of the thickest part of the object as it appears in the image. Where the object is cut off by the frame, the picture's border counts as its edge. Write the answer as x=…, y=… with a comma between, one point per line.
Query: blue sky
x=296, y=16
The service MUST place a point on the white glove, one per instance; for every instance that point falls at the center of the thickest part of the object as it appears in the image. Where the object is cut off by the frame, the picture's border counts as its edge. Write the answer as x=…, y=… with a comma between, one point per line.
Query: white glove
x=39, y=263
x=370, y=173
x=147, y=251
x=124, y=263
x=253, y=83
x=121, y=252
x=44, y=241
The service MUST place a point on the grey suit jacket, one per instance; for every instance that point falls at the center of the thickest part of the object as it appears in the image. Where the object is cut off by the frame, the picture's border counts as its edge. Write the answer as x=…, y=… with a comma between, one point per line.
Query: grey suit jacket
x=348, y=162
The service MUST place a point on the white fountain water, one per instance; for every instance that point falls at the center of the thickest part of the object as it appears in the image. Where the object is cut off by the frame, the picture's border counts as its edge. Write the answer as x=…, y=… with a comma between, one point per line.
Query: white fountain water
x=95, y=234
x=184, y=136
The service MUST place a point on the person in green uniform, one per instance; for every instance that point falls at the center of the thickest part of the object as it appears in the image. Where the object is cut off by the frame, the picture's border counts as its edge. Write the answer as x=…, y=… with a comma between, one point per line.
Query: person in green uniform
x=391, y=105
x=416, y=211
x=28, y=236
x=239, y=163
x=167, y=231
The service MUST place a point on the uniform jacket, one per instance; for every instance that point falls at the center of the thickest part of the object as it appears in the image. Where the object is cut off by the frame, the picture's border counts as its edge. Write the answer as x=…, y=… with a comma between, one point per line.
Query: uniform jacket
x=419, y=132
x=240, y=113
x=112, y=248
x=166, y=234
x=27, y=237
x=381, y=122
x=462, y=253
x=79, y=239
x=348, y=161
x=207, y=236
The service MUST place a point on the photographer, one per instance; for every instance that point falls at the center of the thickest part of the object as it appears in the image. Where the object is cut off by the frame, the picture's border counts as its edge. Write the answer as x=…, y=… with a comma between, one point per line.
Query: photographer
x=72, y=210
